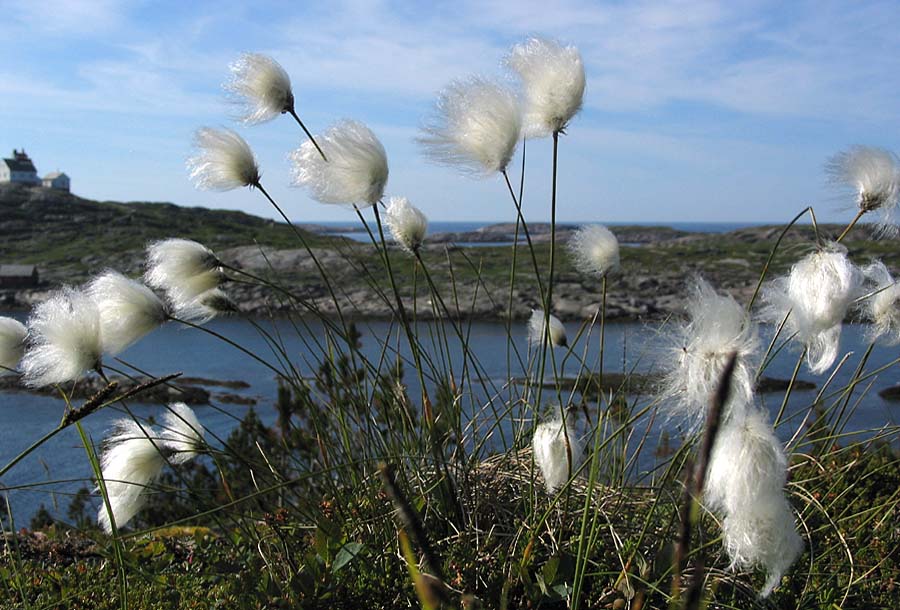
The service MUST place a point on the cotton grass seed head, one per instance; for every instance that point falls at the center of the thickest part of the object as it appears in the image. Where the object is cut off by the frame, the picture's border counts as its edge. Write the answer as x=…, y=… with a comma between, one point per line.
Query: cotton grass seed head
x=537, y=329
x=182, y=433
x=260, y=88
x=882, y=308
x=763, y=535
x=183, y=269
x=131, y=461
x=128, y=310
x=63, y=339
x=206, y=306
x=355, y=173
x=594, y=250
x=557, y=452
x=701, y=346
x=553, y=80
x=747, y=463
x=408, y=225
x=224, y=161
x=874, y=175
x=475, y=126
x=12, y=344
x=817, y=294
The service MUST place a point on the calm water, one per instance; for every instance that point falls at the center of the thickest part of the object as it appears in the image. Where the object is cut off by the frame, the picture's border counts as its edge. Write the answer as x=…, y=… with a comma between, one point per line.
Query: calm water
x=25, y=418
x=355, y=232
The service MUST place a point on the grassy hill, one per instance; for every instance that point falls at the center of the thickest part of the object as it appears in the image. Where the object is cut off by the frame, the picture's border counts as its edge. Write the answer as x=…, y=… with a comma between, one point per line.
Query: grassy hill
x=60, y=230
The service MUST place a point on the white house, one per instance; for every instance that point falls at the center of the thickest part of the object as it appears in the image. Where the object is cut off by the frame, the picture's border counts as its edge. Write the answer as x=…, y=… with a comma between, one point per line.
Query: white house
x=56, y=180
x=19, y=169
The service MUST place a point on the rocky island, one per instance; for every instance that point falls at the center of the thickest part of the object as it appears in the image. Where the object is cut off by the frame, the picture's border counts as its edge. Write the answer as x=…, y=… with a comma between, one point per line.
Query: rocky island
x=68, y=238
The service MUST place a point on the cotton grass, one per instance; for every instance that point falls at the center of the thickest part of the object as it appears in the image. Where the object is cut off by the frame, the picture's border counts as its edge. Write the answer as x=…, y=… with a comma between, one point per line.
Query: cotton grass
x=407, y=224
x=537, y=329
x=356, y=170
x=183, y=269
x=553, y=84
x=260, y=88
x=224, y=161
x=12, y=344
x=131, y=461
x=700, y=347
x=475, y=127
x=63, y=339
x=874, y=176
x=128, y=310
x=814, y=297
x=882, y=308
x=182, y=433
x=557, y=451
x=594, y=250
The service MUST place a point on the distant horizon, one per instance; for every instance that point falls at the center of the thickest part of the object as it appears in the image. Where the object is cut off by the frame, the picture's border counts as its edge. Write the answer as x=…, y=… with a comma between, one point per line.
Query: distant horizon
x=706, y=110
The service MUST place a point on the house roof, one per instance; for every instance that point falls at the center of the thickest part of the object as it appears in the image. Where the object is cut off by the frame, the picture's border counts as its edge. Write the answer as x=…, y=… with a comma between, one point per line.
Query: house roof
x=17, y=270
x=20, y=165
x=53, y=175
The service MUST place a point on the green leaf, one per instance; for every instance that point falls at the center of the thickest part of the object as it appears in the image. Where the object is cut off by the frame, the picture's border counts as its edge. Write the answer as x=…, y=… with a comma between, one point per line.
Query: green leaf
x=347, y=553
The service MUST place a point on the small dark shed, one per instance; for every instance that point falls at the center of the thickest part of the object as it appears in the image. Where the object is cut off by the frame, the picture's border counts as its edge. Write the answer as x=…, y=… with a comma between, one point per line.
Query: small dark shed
x=18, y=276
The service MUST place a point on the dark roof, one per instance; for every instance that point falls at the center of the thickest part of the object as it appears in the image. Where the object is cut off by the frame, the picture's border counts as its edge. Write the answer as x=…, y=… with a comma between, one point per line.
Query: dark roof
x=20, y=162
x=17, y=270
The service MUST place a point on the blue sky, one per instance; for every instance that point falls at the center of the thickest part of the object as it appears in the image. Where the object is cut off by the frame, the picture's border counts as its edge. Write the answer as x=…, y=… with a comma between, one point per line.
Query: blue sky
x=694, y=111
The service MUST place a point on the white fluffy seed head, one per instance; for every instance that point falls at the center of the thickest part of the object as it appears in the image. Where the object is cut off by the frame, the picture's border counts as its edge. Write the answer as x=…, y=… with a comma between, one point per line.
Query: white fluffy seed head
x=764, y=535
x=475, y=126
x=224, y=161
x=817, y=293
x=12, y=344
x=874, y=176
x=128, y=310
x=183, y=269
x=355, y=173
x=182, y=433
x=206, y=306
x=594, y=250
x=63, y=339
x=131, y=461
x=408, y=225
x=260, y=88
x=537, y=331
x=700, y=347
x=882, y=309
x=557, y=452
x=747, y=463
x=553, y=80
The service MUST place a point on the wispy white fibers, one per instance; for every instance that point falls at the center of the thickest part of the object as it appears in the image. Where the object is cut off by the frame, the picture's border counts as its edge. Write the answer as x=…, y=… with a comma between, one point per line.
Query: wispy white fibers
x=475, y=126
x=537, y=332
x=594, y=250
x=224, y=161
x=817, y=293
x=408, y=225
x=551, y=454
x=747, y=462
x=182, y=433
x=716, y=326
x=183, y=269
x=260, y=87
x=874, y=174
x=63, y=339
x=128, y=310
x=882, y=308
x=206, y=306
x=12, y=344
x=131, y=461
x=745, y=483
x=553, y=80
x=355, y=173
x=764, y=535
